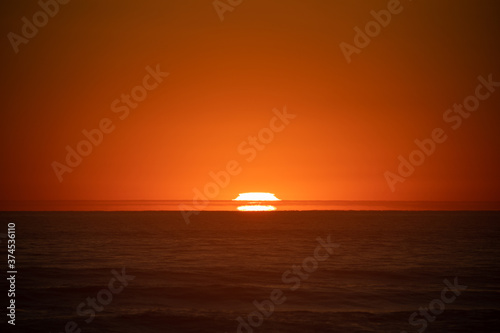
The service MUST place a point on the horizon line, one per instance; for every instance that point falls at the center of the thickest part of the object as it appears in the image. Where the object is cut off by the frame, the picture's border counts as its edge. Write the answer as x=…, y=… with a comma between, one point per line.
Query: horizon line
x=190, y=200
x=231, y=205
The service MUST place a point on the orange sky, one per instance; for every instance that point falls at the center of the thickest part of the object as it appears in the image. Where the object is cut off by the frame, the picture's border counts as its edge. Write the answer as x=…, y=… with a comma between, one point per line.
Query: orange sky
x=225, y=78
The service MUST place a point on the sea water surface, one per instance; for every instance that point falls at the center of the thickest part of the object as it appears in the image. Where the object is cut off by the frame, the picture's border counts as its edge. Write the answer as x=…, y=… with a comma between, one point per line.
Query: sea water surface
x=207, y=276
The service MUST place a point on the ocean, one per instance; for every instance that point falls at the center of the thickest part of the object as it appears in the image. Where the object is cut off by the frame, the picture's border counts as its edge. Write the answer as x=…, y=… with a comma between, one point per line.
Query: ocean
x=229, y=271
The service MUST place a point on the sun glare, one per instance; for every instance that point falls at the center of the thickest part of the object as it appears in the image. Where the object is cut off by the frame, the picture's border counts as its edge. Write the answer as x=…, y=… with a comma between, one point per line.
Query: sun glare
x=256, y=196
x=256, y=201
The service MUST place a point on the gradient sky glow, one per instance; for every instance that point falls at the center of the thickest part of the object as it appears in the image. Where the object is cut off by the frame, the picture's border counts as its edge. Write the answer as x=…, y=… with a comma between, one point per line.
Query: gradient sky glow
x=226, y=78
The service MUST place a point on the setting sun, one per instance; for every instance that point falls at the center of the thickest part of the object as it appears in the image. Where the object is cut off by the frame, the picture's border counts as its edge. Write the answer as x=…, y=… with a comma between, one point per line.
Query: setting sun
x=255, y=200
x=256, y=196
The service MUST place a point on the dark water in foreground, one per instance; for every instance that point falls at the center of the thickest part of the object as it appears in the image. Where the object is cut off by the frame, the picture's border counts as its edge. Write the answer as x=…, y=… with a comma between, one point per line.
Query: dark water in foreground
x=201, y=277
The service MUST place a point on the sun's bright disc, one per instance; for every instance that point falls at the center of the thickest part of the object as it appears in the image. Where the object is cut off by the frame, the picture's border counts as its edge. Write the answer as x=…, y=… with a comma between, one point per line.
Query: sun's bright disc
x=256, y=208
x=256, y=196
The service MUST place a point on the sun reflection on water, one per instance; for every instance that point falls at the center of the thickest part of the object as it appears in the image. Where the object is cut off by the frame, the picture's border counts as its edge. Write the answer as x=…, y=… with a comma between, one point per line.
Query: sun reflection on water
x=256, y=208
